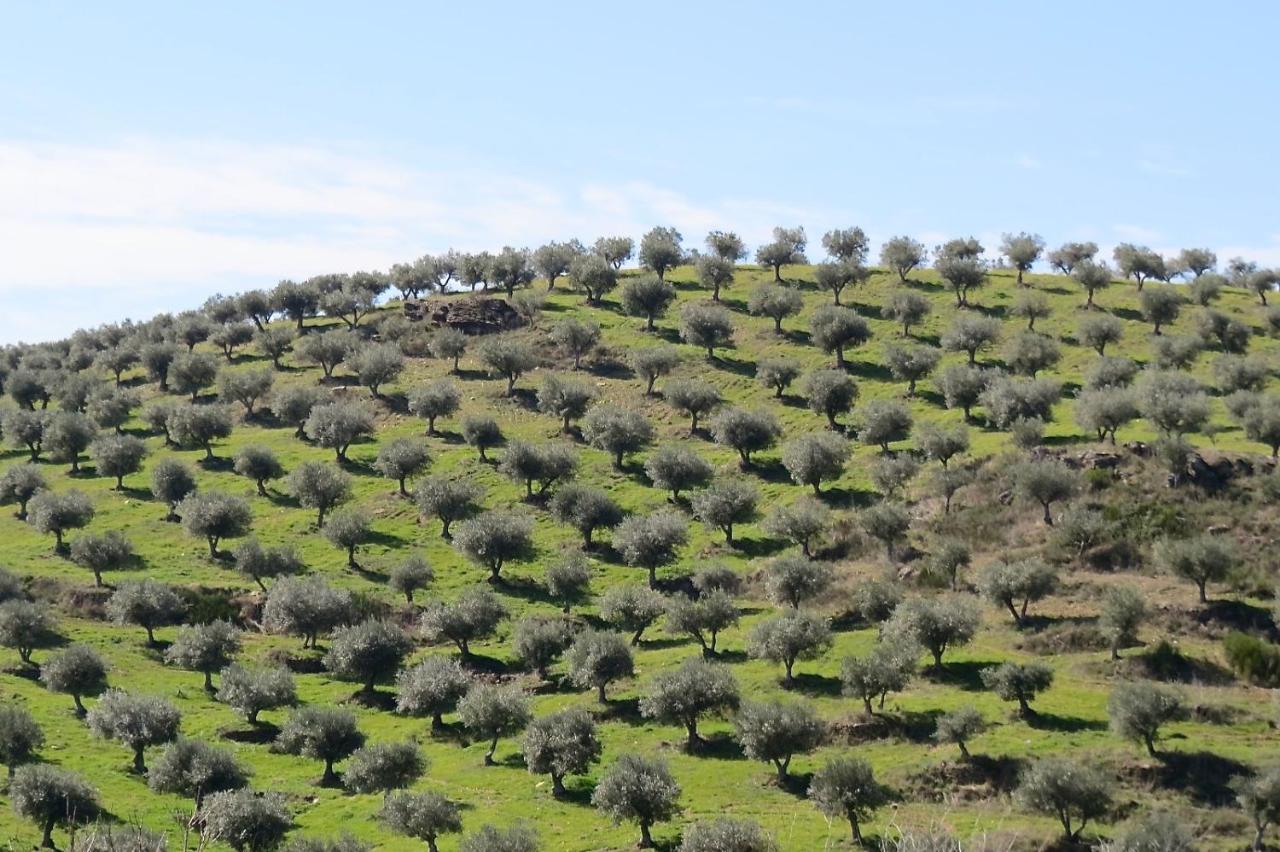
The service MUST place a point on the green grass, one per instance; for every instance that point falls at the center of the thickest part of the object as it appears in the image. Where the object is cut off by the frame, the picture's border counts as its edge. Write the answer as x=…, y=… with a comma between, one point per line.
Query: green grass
x=721, y=782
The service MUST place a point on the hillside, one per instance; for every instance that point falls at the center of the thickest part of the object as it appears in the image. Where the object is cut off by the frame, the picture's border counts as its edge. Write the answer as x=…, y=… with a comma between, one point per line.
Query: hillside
x=1227, y=731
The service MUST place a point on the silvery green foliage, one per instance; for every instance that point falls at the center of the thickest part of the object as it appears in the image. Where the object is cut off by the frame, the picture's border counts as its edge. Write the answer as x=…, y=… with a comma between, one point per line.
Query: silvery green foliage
x=1045, y=482
x=204, y=648
x=250, y=691
x=198, y=426
x=473, y=616
x=368, y=652
x=147, y=603
x=726, y=835
x=294, y=403
x=775, y=731
x=259, y=563
x=306, y=607
x=105, y=837
x=194, y=769
x=651, y=541
x=563, y=743
x=245, y=386
x=703, y=618
x=1156, y=831
x=594, y=275
x=246, y=821
x=647, y=296
x=258, y=463
x=652, y=362
x=19, y=484
x=746, y=431
x=577, y=337
x=328, y=734
x=490, y=712
x=586, y=509
x=434, y=400
x=959, y=726
x=618, y=431
x=565, y=399
x=1022, y=250
x=447, y=499
x=569, y=580
x=902, y=255
x=660, y=250
x=682, y=696
x=1015, y=585
x=775, y=301
x=377, y=364
x=346, y=530
x=936, y=624
x=490, y=838
x=411, y=575
x=77, y=671
x=508, y=358
x=58, y=512
x=1138, y=710
x=708, y=327
x=724, y=504
x=384, y=767
x=20, y=737
x=24, y=626
x=676, y=468
x=830, y=393
x=631, y=608
x=693, y=397
x=777, y=374
x=615, y=250
x=1020, y=682
x=846, y=787
x=792, y=636
x=214, y=516
x=336, y=425
x=970, y=334
x=801, y=522
x=432, y=688
x=137, y=721
x=171, y=482
x=834, y=329
x=794, y=580
x=423, y=816
x=319, y=486
x=494, y=538
x=598, y=658
x=1070, y=791
x=640, y=790
x=48, y=797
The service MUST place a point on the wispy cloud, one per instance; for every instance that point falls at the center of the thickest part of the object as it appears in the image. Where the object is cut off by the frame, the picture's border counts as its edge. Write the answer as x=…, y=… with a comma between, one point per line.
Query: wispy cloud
x=1026, y=161
x=92, y=232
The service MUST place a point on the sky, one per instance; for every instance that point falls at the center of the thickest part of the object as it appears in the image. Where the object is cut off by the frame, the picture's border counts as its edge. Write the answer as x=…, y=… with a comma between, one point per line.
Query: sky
x=152, y=154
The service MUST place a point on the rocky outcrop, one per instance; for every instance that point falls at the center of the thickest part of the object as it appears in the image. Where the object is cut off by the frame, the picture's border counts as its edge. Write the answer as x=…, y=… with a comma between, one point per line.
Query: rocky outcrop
x=471, y=315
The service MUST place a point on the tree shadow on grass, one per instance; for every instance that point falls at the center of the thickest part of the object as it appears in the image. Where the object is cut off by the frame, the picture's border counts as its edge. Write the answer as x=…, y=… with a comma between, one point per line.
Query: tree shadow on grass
x=966, y=675
x=260, y=734
x=484, y=663
x=1203, y=776
x=740, y=366
x=847, y=498
x=771, y=470
x=809, y=683
x=758, y=548
x=718, y=747
x=621, y=710
x=1064, y=724
x=526, y=588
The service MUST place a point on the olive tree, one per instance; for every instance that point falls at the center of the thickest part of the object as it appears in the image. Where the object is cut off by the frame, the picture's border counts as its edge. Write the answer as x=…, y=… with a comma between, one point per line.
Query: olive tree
x=565, y=399
x=195, y=769
x=1202, y=559
x=50, y=797
x=651, y=541
x=787, y=638
x=67, y=434
x=401, y=459
x=970, y=334
x=58, y=512
x=724, y=504
x=384, y=767
x=660, y=250
x=446, y=499
x=563, y=743
x=568, y=580
x=20, y=738
x=707, y=327
x=538, y=642
x=586, y=508
x=631, y=608
x=367, y=653
x=775, y=731
x=337, y=425
x=702, y=619
x=1046, y=483
x=250, y=691
x=1138, y=709
x=745, y=430
x=786, y=248
x=685, y=694
x=448, y=344
x=99, y=552
x=597, y=658
x=244, y=820
x=676, y=468
x=653, y=362
x=594, y=275
x=327, y=734
x=507, y=358
x=78, y=671
x=434, y=400
x=640, y=790
x=801, y=522
x=775, y=301
x=959, y=726
x=1020, y=682
x=490, y=712
x=347, y=530
x=777, y=374
x=146, y=603
x=494, y=538
x=1259, y=798
x=647, y=296
x=421, y=815
x=411, y=575
x=1065, y=257
x=319, y=486
x=1072, y=792
x=19, y=483
x=204, y=648
x=472, y=617
x=306, y=607
x=846, y=787
x=431, y=688
x=936, y=624
x=833, y=329
x=1022, y=251
x=726, y=835
x=1015, y=585
x=902, y=255
x=693, y=397
x=137, y=721
x=617, y=431
x=215, y=516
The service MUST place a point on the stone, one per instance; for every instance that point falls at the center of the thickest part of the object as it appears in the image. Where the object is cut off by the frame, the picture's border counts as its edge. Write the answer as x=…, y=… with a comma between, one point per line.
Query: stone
x=470, y=315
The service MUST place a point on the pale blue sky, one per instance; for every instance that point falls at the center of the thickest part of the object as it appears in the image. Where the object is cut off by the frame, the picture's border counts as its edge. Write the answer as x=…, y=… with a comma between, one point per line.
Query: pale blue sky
x=153, y=153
